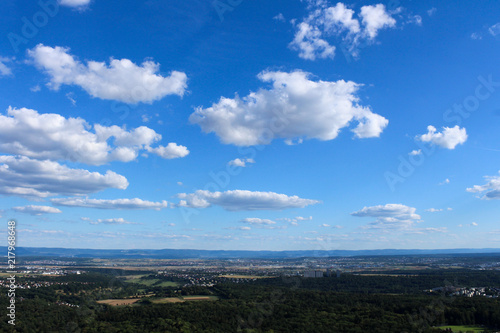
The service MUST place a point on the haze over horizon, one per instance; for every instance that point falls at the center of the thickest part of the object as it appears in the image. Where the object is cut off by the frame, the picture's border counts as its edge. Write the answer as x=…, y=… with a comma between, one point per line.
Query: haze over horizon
x=250, y=125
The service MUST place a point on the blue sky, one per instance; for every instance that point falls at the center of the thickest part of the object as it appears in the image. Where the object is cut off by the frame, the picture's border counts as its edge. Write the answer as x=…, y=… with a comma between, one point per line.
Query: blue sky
x=257, y=125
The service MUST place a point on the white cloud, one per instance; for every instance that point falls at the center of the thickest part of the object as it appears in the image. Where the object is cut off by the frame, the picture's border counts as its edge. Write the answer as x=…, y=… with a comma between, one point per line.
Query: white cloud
x=110, y=204
x=121, y=80
x=111, y=221
x=172, y=150
x=37, y=210
x=476, y=36
x=449, y=138
x=257, y=221
x=415, y=152
x=241, y=162
x=309, y=43
x=313, y=33
x=51, y=136
x=74, y=3
x=294, y=221
x=376, y=18
x=417, y=19
x=22, y=176
x=391, y=216
x=422, y=231
x=491, y=189
x=294, y=107
x=35, y=88
x=279, y=17
x=432, y=11
x=494, y=30
x=243, y=200
x=339, y=18
x=473, y=224
x=324, y=225
x=446, y=181
x=4, y=69
x=433, y=210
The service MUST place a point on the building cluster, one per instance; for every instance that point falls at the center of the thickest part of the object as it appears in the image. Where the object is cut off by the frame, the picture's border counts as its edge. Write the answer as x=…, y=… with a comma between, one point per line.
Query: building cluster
x=481, y=291
x=490, y=292
x=320, y=274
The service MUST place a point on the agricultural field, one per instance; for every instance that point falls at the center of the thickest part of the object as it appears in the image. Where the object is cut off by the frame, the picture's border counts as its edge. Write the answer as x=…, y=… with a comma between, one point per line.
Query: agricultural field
x=149, y=282
x=200, y=298
x=463, y=329
x=230, y=276
x=117, y=302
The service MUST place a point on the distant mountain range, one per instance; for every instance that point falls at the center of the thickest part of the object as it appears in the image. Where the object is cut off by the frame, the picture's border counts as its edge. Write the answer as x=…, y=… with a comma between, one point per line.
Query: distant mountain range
x=221, y=254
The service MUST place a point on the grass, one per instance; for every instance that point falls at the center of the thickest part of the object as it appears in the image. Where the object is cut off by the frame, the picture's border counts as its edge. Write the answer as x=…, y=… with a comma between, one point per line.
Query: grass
x=464, y=329
x=167, y=300
x=117, y=302
x=150, y=282
x=200, y=298
x=168, y=284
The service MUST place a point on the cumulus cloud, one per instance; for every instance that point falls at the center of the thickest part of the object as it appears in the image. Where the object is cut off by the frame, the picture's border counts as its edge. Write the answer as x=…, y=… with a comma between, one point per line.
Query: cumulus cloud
x=433, y=210
x=121, y=80
x=109, y=203
x=5, y=70
x=309, y=43
x=415, y=152
x=22, y=176
x=52, y=136
x=241, y=162
x=449, y=138
x=390, y=216
x=74, y=3
x=37, y=210
x=258, y=221
x=314, y=34
x=243, y=200
x=490, y=190
x=293, y=108
x=172, y=150
x=376, y=18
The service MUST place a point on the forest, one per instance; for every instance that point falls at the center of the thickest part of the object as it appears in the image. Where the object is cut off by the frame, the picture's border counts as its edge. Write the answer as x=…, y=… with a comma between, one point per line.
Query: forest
x=345, y=303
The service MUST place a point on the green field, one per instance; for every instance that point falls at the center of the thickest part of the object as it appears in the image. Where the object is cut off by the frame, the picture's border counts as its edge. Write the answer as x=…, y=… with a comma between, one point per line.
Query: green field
x=168, y=284
x=200, y=298
x=146, y=282
x=150, y=282
x=463, y=329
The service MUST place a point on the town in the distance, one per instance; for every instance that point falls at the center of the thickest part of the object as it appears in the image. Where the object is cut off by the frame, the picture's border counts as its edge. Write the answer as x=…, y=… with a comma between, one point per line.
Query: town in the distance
x=410, y=293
